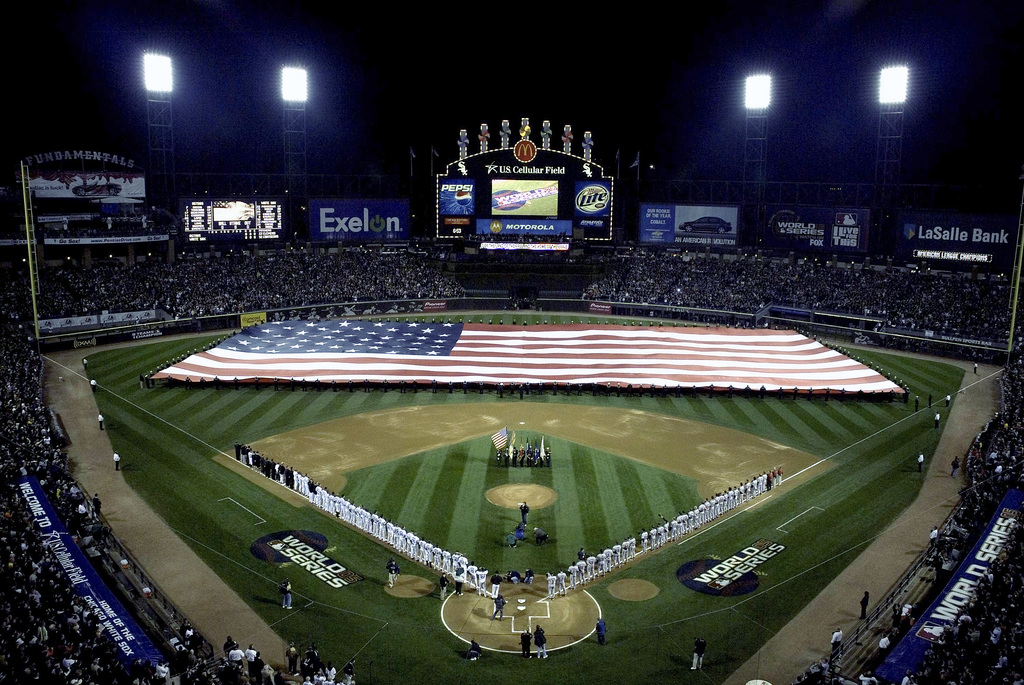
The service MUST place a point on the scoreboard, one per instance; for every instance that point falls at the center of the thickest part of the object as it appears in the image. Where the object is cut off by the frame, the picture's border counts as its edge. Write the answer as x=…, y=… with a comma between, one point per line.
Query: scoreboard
x=523, y=190
x=232, y=220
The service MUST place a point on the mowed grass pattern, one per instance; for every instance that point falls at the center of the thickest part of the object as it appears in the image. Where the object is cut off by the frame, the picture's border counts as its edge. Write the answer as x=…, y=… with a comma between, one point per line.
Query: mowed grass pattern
x=602, y=499
x=168, y=437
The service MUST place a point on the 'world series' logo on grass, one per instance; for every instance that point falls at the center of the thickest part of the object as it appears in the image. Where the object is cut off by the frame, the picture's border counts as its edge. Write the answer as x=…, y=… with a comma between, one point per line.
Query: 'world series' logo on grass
x=728, y=577
x=305, y=549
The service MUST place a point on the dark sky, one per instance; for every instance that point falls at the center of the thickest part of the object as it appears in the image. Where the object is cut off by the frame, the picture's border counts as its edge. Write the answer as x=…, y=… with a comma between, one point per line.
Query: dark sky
x=670, y=87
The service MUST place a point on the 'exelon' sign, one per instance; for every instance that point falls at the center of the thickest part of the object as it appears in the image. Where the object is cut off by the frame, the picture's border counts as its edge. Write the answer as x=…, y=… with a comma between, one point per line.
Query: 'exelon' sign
x=359, y=219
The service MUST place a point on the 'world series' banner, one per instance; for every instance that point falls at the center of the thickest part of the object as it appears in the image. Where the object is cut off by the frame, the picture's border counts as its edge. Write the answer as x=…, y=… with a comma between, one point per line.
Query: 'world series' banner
x=818, y=229
x=958, y=593
x=116, y=623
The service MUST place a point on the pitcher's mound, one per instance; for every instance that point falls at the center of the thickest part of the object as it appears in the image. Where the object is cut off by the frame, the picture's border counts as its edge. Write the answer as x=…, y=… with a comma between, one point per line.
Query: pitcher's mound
x=511, y=495
x=632, y=590
x=410, y=586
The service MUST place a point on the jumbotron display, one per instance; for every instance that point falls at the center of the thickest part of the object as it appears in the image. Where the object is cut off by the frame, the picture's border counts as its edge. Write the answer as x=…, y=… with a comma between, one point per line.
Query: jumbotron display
x=232, y=220
x=518, y=188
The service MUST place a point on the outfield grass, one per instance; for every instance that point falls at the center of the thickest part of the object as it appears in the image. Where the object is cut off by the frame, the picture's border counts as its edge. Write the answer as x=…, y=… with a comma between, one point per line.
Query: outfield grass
x=168, y=438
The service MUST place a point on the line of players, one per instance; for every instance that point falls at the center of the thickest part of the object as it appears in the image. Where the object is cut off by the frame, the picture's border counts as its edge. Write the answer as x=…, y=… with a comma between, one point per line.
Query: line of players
x=531, y=455
x=589, y=567
x=464, y=572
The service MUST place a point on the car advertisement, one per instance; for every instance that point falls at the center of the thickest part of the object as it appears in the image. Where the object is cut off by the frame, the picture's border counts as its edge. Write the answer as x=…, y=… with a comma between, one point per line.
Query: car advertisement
x=817, y=229
x=359, y=220
x=951, y=240
x=689, y=225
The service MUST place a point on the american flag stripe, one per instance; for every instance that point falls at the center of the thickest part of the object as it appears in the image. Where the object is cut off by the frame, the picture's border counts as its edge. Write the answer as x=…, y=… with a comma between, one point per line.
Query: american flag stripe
x=606, y=355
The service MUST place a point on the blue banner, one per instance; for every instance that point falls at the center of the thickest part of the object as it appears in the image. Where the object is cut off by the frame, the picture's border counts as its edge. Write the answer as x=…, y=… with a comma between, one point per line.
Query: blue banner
x=362, y=220
x=116, y=623
x=523, y=226
x=818, y=229
x=958, y=593
x=951, y=240
x=689, y=226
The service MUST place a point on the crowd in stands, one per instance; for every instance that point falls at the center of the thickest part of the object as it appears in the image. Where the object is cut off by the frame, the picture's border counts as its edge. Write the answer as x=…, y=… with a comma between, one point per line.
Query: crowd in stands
x=986, y=644
x=47, y=634
x=236, y=283
x=941, y=303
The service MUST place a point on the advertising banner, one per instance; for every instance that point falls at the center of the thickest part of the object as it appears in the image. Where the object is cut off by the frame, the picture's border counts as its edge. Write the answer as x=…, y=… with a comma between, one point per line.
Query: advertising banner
x=958, y=593
x=818, y=229
x=252, y=319
x=952, y=240
x=110, y=240
x=529, y=247
x=106, y=320
x=116, y=623
x=520, y=226
x=359, y=220
x=85, y=185
x=593, y=206
x=689, y=225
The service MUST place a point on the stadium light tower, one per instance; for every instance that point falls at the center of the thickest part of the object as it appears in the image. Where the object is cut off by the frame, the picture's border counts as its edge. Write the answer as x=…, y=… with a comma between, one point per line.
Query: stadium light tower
x=757, y=99
x=294, y=93
x=158, y=78
x=892, y=96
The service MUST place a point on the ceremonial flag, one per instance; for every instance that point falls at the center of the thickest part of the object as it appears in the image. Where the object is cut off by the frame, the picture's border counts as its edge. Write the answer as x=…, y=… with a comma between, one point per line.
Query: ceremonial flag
x=377, y=351
x=500, y=439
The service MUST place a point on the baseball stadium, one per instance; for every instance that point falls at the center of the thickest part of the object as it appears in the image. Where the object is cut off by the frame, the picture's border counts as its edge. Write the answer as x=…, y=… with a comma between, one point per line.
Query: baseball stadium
x=517, y=413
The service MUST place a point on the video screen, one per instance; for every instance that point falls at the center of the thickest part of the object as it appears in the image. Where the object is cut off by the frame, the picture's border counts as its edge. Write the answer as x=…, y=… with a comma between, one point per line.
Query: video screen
x=233, y=220
x=524, y=198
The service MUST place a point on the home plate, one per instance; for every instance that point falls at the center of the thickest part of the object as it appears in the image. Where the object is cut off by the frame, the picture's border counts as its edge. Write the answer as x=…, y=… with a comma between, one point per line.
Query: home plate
x=521, y=601
x=520, y=607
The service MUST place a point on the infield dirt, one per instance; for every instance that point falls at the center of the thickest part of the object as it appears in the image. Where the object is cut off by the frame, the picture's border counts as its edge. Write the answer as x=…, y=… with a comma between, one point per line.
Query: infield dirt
x=716, y=457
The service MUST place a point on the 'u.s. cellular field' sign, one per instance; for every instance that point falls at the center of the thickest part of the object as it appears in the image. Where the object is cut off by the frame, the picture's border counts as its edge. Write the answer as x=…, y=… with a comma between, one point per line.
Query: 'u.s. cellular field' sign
x=958, y=593
x=951, y=240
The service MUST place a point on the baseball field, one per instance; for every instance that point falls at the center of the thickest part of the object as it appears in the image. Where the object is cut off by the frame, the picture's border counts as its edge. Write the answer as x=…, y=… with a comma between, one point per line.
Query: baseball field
x=426, y=461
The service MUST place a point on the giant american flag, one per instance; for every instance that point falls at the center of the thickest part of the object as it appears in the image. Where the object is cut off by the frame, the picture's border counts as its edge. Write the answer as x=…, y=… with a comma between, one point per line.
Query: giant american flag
x=419, y=352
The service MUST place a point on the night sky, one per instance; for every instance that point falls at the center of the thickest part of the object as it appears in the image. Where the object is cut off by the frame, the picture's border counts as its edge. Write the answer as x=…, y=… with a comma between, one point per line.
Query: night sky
x=385, y=80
